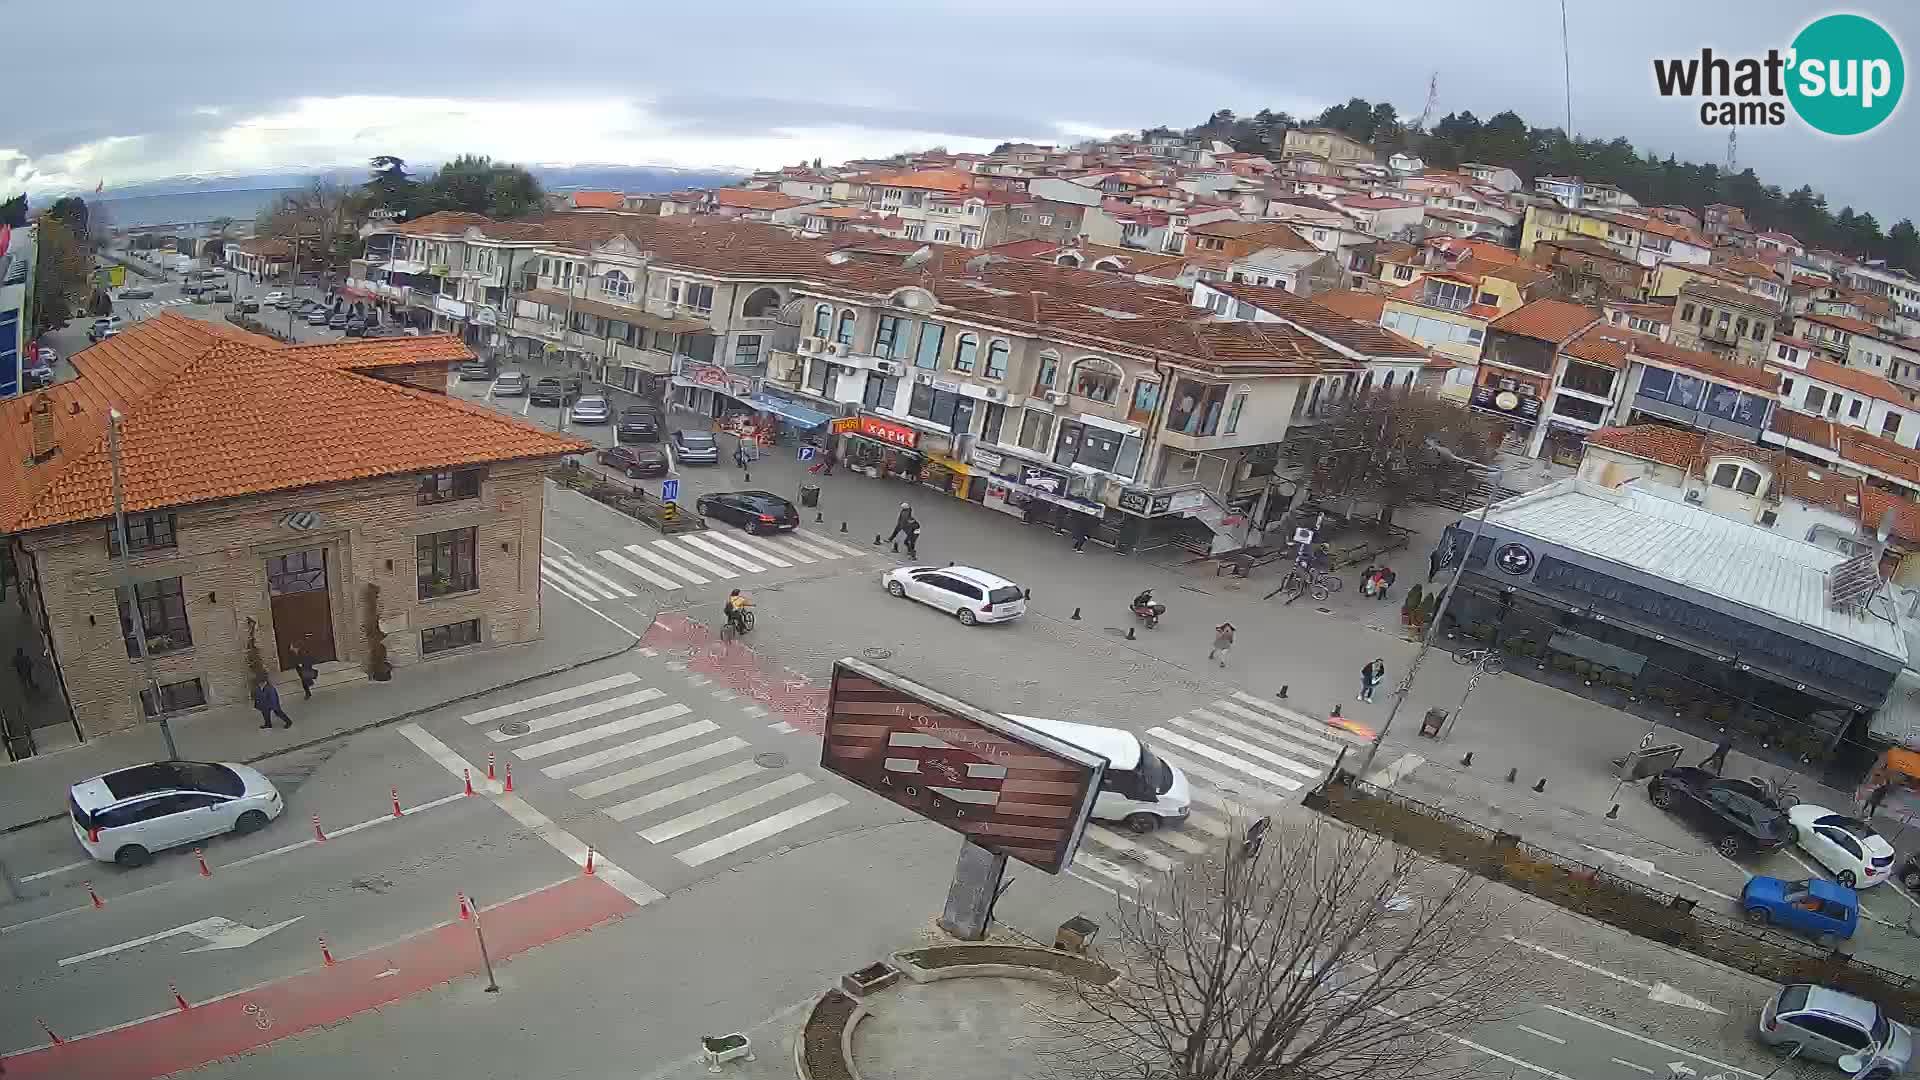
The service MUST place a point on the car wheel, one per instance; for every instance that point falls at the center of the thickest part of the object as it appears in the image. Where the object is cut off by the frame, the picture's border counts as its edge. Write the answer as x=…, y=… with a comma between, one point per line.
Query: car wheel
x=967, y=617
x=249, y=822
x=1793, y=834
x=1142, y=824
x=1732, y=846
x=897, y=590
x=1758, y=916
x=750, y=528
x=1879, y=1074
x=1661, y=797
x=633, y=474
x=1911, y=879
x=133, y=855
x=1845, y=877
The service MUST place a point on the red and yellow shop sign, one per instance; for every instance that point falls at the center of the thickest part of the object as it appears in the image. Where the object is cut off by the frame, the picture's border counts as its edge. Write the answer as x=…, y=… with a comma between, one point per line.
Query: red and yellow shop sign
x=893, y=434
x=843, y=425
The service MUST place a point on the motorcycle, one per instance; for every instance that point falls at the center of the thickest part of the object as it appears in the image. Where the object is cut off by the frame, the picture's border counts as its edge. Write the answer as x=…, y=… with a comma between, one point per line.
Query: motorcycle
x=1149, y=612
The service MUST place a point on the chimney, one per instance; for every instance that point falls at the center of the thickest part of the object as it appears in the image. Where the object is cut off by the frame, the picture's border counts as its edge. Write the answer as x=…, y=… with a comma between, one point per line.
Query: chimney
x=41, y=417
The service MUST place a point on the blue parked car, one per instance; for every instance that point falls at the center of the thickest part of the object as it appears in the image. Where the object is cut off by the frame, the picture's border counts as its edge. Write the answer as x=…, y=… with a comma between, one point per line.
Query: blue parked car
x=1817, y=908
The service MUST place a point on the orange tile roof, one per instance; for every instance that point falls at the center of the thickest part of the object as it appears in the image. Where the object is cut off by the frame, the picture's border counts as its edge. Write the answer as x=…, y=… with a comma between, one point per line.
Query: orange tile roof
x=1874, y=503
x=751, y=199
x=1813, y=430
x=1603, y=343
x=1873, y=452
x=598, y=200
x=1705, y=363
x=952, y=180
x=1848, y=323
x=367, y=353
x=1855, y=379
x=1546, y=320
x=209, y=416
x=1365, y=337
x=1353, y=303
x=1663, y=443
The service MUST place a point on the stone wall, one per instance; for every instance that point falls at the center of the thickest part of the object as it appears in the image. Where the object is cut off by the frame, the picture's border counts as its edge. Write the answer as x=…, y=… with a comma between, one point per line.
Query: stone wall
x=368, y=531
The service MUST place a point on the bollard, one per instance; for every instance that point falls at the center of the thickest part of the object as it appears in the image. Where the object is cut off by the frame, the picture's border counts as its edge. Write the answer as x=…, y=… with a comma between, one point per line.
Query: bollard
x=467, y=776
x=1467, y=760
x=818, y=517
x=1130, y=633
x=57, y=1040
x=509, y=786
x=396, y=802
x=94, y=896
x=1542, y=785
x=489, y=764
x=318, y=836
x=1513, y=774
x=843, y=526
x=1282, y=695
x=1076, y=614
x=204, y=872
x=326, y=954
x=1614, y=814
x=878, y=540
x=178, y=1001
x=1335, y=714
x=465, y=915
x=589, y=866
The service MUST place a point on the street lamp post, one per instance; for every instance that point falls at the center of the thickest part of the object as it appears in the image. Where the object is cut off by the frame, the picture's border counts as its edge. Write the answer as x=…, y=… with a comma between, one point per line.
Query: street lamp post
x=1446, y=598
x=126, y=583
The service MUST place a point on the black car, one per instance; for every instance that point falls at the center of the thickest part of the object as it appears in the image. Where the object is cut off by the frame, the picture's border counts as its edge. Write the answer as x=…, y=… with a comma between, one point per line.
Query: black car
x=476, y=371
x=552, y=391
x=356, y=327
x=249, y=305
x=1740, y=817
x=339, y=321
x=222, y=296
x=646, y=459
x=637, y=423
x=755, y=511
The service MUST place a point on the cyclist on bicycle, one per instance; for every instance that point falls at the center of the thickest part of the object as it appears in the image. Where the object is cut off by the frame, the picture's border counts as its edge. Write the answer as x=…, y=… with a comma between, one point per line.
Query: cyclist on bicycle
x=737, y=604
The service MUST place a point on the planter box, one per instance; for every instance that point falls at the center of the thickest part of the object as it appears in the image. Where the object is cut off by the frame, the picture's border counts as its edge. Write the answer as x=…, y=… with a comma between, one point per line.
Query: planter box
x=875, y=976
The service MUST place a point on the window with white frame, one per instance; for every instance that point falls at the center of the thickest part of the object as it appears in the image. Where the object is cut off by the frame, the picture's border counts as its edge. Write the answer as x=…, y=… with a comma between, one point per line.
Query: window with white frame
x=965, y=351
x=1046, y=219
x=997, y=359
x=822, y=320
x=616, y=285
x=1096, y=379
x=941, y=236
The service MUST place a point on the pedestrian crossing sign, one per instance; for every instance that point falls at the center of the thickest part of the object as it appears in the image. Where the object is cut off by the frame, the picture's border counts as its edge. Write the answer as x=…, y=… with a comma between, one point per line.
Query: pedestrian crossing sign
x=670, y=490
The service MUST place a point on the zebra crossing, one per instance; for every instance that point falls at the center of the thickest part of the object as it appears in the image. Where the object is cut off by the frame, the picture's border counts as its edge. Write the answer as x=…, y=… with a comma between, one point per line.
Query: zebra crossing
x=1241, y=755
x=683, y=783
x=688, y=559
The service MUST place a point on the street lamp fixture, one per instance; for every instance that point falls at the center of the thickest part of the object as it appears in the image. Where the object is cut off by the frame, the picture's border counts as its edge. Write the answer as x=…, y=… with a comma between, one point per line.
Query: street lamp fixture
x=1499, y=473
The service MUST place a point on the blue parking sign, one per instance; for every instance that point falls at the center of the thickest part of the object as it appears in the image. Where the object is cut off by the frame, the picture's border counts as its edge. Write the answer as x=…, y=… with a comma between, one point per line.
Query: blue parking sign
x=806, y=452
x=670, y=490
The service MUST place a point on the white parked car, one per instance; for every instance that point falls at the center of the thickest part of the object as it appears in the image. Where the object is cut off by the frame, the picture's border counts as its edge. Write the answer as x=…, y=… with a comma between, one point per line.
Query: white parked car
x=972, y=596
x=126, y=816
x=1848, y=847
x=276, y=298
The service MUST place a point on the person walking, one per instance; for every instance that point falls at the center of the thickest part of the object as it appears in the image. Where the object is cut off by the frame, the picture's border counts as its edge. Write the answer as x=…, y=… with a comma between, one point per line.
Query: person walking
x=1222, y=643
x=911, y=534
x=1082, y=528
x=740, y=457
x=1875, y=798
x=1718, y=759
x=1433, y=565
x=267, y=700
x=900, y=524
x=303, y=664
x=23, y=665
x=1370, y=677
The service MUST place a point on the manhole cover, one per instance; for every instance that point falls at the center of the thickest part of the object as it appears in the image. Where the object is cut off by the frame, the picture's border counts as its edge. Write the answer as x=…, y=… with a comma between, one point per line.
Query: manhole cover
x=770, y=761
x=514, y=727
x=876, y=653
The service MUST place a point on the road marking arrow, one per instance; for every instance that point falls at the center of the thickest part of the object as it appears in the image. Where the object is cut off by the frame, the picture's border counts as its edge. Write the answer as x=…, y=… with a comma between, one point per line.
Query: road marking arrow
x=1644, y=867
x=216, y=931
x=1660, y=992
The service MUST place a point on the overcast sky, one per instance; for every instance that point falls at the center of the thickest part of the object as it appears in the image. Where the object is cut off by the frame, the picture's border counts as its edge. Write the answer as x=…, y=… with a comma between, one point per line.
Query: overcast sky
x=151, y=90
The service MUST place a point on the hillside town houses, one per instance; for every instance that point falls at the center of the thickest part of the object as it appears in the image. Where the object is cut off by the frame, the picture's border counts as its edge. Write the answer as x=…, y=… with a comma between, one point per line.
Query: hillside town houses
x=1136, y=330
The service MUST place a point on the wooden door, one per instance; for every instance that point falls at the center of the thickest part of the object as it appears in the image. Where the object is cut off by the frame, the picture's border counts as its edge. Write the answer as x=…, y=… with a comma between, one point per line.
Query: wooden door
x=302, y=608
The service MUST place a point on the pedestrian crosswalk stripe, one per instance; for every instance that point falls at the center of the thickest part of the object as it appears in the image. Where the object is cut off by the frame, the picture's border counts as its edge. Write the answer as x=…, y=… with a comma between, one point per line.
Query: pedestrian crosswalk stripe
x=725, y=808
x=691, y=559
x=813, y=547
x=760, y=830
x=561, y=574
x=1106, y=837
x=624, y=751
x=1320, y=755
x=1185, y=843
x=1229, y=789
x=1285, y=783
x=639, y=571
x=1209, y=824
x=583, y=712
x=630, y=566
x=721, y=553
x=541, y=701
x=1288, y=729
x=602, y=580
x=686, y=789
x=573, y=591
x=641, y=773
x=1298, y=719
x=833, y=545
x=1106, y=868
x=755, y=551
x=1249, y=749
x=601, y=731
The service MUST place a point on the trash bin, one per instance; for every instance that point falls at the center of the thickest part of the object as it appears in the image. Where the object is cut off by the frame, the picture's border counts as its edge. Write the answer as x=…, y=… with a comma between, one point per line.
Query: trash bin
x=809, y=494
x=1431, y=723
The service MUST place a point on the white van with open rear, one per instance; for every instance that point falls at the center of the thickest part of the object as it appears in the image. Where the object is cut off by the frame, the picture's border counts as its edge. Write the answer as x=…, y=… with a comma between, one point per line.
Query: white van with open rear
x=1140, y=790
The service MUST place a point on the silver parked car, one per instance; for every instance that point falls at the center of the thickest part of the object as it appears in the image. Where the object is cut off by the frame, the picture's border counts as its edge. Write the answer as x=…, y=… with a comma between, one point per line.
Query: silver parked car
x=127, y=815
x=1839, y=1029
x=592, y=409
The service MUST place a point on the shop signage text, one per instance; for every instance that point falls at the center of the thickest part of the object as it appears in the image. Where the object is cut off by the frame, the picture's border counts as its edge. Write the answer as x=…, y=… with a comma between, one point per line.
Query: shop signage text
x=719, y=379
x=1141, y=501
x=843, y=425
x=895, y=434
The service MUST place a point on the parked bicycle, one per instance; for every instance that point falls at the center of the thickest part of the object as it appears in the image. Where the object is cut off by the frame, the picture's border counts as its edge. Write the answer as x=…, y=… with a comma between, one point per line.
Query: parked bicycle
x=1484, y=659
x=1315, y=583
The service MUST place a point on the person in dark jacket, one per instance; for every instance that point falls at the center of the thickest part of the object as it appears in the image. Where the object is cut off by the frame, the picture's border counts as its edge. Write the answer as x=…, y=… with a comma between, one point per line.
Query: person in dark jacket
x=911, y=534
x=1370, y=677
x=23, y=664
x=303, y=664
x=900, y=524
x=1082, y=528
x=267, y=700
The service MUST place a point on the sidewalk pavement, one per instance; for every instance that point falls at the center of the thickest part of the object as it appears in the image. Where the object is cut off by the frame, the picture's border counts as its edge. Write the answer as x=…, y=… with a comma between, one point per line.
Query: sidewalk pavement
x=34, y=790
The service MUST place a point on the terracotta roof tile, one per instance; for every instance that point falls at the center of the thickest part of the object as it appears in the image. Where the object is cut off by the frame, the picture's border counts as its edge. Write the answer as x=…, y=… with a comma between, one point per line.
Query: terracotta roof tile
x=1724, y=295
x=1855, y=379
x=1813, y=430
x=1604, y=343
x=1705, y=363
x=749, y=199
x=1873, y=452
x=1546, y=320
x=1663, y=443
x=1353, y=303
x=1362, y=337
x=368, y=353
x=209, y=417
x=1874, y=503
x=598, y=200
x=1849, y=324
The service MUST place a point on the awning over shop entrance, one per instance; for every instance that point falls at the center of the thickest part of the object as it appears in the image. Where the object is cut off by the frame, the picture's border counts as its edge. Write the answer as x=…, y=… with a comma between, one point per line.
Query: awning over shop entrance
x=558, y=301
x=788, y=410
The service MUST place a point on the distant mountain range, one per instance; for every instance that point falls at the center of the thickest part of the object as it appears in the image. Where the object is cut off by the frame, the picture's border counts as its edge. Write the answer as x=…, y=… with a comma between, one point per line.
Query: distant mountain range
x=173, y=199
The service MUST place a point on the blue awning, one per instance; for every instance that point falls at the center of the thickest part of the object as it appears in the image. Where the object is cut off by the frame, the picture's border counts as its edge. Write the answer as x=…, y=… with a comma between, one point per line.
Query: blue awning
x=788, y=410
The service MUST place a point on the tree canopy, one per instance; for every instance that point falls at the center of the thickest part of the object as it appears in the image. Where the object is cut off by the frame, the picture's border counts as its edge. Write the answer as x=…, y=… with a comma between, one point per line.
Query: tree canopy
x=479, y=185
x=1506, y=139
x=61, y=274
x=1374, y=446
x=14, y=211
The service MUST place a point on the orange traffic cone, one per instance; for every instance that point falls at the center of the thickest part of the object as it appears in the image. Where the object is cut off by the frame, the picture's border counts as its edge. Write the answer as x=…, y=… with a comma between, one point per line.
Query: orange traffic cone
x=198, y=854
x=465, y=914
x=326, y=953
x=509, y=786
x=94, y=896
x=589, y=862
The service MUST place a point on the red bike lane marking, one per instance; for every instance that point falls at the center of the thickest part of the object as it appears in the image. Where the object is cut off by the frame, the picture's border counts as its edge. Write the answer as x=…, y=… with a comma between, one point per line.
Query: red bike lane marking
x=793, y=698
x=251, y=1019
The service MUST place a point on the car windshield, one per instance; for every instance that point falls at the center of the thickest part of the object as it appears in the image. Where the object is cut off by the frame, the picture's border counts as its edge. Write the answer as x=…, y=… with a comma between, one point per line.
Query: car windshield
x=696, y=438
x=1153, y=768
x=1852, y=825
x=591, y=403
x=165, y=775
x=1005, y=594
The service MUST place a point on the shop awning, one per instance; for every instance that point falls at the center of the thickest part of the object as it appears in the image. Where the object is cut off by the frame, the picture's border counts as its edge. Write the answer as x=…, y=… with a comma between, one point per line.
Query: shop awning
x=788, y=410
x=557, y=301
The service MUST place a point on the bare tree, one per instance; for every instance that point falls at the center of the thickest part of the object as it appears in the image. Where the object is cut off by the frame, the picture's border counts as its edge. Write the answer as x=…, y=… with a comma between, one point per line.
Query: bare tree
x=1373, y=445
x=1326, y=954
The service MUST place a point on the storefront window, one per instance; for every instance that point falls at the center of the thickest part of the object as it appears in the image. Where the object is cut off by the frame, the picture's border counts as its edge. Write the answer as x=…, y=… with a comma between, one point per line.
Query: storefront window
x=928, y=354
x=1035, y=427
x=964, y=353
x=997, y=360
x=891, y=336
x=1097, y=448
x=951, y=411
x=881, y=392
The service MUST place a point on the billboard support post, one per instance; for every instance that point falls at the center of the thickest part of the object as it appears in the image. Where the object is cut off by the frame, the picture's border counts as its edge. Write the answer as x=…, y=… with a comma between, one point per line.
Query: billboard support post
x=976, y=885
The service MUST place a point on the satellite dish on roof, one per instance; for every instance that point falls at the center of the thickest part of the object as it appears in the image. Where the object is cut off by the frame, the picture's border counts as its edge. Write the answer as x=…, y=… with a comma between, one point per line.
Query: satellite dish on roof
x=919, y=258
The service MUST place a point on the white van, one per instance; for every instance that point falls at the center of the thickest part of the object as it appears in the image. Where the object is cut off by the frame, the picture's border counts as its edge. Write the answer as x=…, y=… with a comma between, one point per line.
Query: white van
x=1140, y=790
